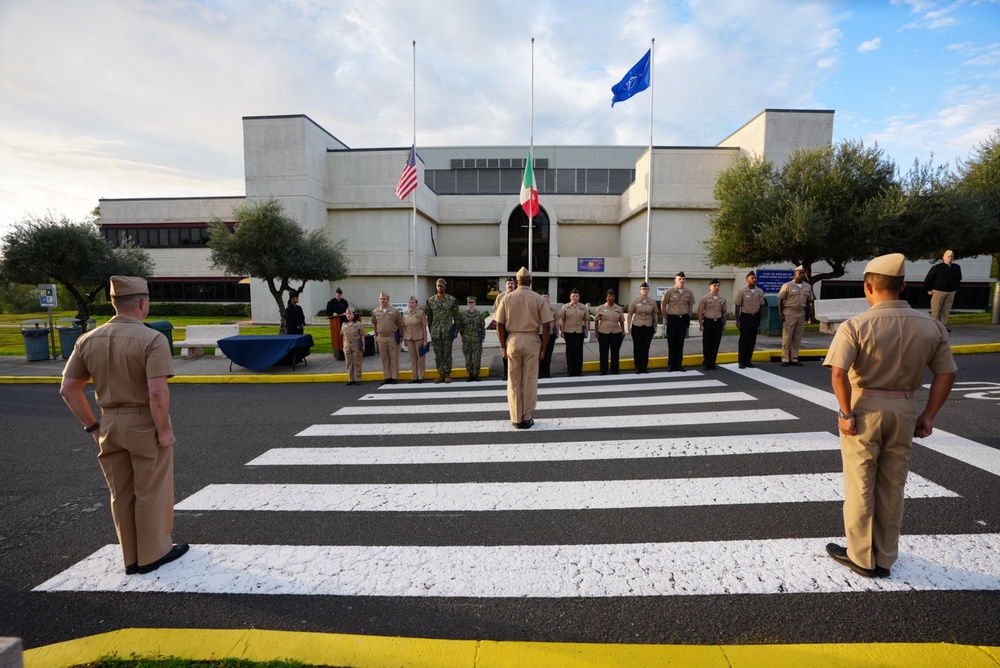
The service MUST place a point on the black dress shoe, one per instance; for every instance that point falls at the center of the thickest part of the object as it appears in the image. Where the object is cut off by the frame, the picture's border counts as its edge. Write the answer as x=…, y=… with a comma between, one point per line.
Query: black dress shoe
x=527, y=424
x=131, y=569
x=784, y=364
x=839, y=554
x=518, y=425
x=797, y=363
x=743, y=366
x=882, y=572
x=750, y=365
x=176, y=552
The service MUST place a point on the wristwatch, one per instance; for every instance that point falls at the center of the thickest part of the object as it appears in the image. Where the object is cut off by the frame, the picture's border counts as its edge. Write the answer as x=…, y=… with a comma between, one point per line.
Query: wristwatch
x=92, y=428
x=844, y=416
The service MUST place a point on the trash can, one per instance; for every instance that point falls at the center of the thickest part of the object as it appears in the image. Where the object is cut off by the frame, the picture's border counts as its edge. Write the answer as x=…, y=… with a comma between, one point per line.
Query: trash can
x=36, y=339
x=69, y=331
x=165, y=328
x=770, y=322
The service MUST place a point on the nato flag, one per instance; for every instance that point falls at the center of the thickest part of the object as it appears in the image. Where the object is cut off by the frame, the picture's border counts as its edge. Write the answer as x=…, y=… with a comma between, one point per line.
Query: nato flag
x=635, y=81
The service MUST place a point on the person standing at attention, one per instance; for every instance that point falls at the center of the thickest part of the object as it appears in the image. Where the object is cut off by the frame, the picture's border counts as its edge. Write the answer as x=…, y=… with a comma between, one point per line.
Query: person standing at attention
x=522, y=313
x=386, y=323
x=415, y=336
x=712, y=310
x=130, y=364
x=473, y=331
x=295, y=319
x=442, y=316
x=508, y=288
x=794, y=298
x=545, y=364
x=877, y=361
x=609, y=326
x=574, y=321
x=643, y=319
x=941, y=283
x=336, y=310
x=677, y=307
x=748, y=304
x=353, y=344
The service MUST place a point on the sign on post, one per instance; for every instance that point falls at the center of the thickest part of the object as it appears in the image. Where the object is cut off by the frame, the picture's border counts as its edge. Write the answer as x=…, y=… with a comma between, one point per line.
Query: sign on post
x=48, y=295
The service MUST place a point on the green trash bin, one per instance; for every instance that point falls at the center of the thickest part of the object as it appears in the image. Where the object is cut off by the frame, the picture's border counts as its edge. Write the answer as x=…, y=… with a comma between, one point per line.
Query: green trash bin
x=163, y=327
x=770, y=322
x=36, y=339
x=69, y=331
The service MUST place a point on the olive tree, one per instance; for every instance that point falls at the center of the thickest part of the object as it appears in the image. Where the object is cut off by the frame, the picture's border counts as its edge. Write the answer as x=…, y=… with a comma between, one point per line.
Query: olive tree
x=55, y=249
x=268, y=244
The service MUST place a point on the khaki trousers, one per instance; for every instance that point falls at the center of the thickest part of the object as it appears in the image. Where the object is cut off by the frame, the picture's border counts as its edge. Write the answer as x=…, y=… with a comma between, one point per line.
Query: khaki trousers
x=353, y=357
x=418, y=364
x=876, y=463
x=522, y=374
x=140, y=477
x=791, y=335
x=941, y=305
x=388, y=351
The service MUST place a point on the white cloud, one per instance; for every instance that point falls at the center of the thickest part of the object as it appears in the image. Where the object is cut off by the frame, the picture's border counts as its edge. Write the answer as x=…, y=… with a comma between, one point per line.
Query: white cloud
x=870, y=45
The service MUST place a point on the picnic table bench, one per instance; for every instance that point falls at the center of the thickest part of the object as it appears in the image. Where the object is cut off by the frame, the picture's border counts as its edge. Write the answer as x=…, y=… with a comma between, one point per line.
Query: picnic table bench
x=199, y=337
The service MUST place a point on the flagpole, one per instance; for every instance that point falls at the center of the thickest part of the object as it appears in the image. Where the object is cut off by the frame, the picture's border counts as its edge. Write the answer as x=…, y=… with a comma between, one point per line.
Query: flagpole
x=413, y=225
x=531, y=149
x=649, y=175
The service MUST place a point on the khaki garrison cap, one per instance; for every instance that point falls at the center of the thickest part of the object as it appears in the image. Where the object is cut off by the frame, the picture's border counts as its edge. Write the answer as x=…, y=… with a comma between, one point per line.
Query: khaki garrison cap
x=523, y=273
x=123, y=286
x=887, y=265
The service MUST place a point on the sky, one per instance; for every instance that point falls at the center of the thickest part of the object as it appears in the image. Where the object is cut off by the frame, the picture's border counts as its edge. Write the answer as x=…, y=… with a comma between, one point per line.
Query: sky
x=144, y=98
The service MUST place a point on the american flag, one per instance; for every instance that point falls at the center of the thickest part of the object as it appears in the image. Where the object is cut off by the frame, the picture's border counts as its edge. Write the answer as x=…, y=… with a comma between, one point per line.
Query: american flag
x=408, y=179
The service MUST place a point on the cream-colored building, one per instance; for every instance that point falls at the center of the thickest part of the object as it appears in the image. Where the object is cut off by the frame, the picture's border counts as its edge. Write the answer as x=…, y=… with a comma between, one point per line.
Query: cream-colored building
x=470, y=228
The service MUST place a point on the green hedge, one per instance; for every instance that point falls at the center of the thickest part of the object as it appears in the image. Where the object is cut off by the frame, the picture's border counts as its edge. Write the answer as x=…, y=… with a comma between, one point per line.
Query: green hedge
x=182, y=308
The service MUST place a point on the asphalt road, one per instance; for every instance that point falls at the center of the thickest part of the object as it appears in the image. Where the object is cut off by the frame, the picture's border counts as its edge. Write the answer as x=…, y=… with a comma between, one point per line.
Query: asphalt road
x=55, y=514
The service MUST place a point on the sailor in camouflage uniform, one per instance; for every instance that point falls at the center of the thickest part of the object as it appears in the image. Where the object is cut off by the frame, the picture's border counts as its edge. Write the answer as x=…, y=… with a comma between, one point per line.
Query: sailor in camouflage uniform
x=442, y=316
x=473, y=331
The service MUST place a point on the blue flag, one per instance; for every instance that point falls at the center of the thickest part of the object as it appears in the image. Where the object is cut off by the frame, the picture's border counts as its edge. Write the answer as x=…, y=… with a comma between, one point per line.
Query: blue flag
x=637, y=80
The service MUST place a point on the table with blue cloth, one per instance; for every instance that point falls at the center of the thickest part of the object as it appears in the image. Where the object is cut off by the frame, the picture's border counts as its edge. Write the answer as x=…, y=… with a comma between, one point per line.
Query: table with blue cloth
x=263, y=352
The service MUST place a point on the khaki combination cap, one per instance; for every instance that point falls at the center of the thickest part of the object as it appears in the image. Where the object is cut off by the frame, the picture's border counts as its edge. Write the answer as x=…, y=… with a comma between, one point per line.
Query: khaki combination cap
x=887, y=265
x=523, y=273
x=123, y=286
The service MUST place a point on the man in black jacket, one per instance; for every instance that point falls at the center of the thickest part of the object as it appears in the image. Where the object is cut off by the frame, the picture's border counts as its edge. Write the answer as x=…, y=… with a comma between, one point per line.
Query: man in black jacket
x=941, y=283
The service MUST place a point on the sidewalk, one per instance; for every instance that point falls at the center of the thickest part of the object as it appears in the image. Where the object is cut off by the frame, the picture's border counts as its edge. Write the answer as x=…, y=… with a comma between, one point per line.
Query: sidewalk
x=326, y=368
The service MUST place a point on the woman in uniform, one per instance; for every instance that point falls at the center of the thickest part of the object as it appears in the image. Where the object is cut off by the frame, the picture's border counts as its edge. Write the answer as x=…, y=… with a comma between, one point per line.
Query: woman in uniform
x=643, y=318
x=353, y=337
x=415, y=337
x=609, y=325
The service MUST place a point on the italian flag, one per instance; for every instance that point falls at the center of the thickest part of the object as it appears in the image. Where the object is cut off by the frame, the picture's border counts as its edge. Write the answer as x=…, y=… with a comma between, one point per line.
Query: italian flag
x=529, y=194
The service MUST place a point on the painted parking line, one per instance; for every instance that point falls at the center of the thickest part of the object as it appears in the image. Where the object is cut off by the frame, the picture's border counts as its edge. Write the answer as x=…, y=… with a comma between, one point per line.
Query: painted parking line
x=492, y=453
x=633, y=421
x=546, y=495
x=776, y=566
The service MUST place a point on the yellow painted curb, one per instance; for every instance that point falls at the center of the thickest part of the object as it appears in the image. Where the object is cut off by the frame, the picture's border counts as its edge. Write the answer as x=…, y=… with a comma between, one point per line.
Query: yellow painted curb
x=360, y=651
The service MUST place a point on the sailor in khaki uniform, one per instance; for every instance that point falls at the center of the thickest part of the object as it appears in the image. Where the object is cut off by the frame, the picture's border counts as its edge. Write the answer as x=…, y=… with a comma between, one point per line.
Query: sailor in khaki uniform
x=130, y=365
x=794, y=298
x=415, y=336
x=386, y=323
x=712, y=310
x=643, y=318
x=509, y=287
x=545, y=364
x=748, y=304
x=677, y=307
x=609, y=326
x=519, y=318
x=877, y=361
x=574, y=321
x=352, y=336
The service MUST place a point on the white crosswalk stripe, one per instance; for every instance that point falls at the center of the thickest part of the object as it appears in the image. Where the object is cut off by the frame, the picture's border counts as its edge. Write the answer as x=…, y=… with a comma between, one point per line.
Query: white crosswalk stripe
x=778, y=566
x=544, y=391
x=651, y=448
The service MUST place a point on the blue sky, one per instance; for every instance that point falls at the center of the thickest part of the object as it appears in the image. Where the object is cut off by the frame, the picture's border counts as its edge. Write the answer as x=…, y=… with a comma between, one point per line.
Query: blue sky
x=136, y=98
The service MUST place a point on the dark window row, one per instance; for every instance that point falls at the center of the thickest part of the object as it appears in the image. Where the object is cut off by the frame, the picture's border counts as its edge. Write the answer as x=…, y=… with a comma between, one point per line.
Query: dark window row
x=158, y=237
x=496, y=163
x=548, y=181
x=199, y=291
